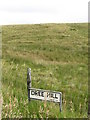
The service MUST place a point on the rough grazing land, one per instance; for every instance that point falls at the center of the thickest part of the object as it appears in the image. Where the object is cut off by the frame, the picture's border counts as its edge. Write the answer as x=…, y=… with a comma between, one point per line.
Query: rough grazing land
x=58, y=57
x=0, y=70
x=1, y=102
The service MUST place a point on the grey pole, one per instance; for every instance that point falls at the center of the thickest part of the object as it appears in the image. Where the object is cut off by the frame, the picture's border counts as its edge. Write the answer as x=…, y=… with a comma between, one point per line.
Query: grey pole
x=28, y=82
x=60, y=102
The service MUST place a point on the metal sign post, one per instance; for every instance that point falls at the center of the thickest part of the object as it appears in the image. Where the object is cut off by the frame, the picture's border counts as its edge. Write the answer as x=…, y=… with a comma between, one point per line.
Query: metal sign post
x=39, y=94
x=28, y=82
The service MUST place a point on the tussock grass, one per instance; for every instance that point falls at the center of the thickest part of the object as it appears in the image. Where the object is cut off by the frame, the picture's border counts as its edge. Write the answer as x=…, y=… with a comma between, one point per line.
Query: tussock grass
x=58, y=57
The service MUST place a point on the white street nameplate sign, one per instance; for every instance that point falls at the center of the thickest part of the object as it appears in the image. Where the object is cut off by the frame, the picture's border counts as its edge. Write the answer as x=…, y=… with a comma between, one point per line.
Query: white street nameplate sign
x=39, y=94
x=47, y=95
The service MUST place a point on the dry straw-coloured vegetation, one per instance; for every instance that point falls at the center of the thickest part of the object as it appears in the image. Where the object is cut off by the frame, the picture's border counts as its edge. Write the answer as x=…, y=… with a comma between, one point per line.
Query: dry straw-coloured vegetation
x=58, y=57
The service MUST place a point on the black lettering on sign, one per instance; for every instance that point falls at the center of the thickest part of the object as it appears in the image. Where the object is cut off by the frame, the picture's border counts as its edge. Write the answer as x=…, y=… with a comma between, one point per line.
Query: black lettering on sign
x=56, y=96
x=32, y=92
x=48, y=94
x=51, y=95
x=38, y=93
x=42, y=94
x=35, y=92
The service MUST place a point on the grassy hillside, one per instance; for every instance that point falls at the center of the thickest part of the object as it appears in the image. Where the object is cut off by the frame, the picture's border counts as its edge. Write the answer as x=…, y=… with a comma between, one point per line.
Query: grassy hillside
x=58, y=57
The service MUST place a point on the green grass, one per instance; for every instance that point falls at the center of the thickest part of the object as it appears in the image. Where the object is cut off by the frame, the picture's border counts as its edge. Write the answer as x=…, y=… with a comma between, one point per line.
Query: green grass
x=58, y=57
